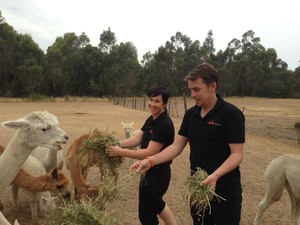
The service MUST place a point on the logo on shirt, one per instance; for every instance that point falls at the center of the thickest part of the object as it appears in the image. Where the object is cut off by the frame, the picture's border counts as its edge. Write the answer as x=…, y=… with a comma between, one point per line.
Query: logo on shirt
x=213, y=123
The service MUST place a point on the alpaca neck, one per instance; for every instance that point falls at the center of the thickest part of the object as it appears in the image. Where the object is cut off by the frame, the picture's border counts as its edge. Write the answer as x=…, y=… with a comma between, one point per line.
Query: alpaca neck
x=31, y=183
x=12, y=159
x=51, y=159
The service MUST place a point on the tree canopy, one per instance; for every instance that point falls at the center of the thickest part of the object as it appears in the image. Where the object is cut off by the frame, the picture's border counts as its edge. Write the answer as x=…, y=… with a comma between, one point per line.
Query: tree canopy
x=72, y=66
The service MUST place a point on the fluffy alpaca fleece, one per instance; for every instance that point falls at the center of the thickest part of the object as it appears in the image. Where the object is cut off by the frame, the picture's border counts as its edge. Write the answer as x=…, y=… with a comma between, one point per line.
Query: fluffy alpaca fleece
x=282, y=172
x=36, y=129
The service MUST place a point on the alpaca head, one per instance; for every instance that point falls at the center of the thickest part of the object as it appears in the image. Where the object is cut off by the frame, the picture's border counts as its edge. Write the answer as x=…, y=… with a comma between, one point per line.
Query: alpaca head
x=59, y=183
x=38, y=129
x=127, y=129
x=47, y=205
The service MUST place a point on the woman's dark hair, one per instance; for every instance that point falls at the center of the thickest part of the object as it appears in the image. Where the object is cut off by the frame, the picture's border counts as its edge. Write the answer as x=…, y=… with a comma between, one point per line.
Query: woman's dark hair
x=159, y=90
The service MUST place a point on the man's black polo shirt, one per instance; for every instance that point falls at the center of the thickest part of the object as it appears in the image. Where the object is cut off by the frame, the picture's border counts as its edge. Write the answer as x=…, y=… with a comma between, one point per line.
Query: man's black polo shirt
x=209, y=139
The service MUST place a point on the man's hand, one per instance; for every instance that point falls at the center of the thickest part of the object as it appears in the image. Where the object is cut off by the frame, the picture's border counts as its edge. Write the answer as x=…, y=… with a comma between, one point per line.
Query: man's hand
x=140, y=166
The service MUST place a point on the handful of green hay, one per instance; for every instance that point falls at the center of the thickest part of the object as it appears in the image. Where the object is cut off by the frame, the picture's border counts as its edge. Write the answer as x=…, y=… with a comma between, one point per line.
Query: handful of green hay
x=95, y=149
x=200, y=195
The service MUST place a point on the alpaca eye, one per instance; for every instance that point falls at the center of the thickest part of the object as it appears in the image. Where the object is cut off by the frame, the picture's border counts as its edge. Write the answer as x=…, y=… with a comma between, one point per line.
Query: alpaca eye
x=45, y=129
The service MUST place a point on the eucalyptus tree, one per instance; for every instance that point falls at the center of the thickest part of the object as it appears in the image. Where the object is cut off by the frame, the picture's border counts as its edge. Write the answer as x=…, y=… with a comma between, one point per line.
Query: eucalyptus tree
x=29, y=79
x=21, y=60
x=208, y=48
x=8, y=39
x=107, y=40
x=66, y=69
x=121, y=70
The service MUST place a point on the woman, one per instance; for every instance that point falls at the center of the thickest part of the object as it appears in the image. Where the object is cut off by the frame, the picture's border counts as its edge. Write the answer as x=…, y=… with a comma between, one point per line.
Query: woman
x=156, y=134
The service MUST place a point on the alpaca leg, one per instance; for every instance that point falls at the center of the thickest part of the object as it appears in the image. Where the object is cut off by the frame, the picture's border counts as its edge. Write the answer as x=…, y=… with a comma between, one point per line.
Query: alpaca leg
x=262, y=207
x=296, y=211
x=15, y=192
x=33, y=204
x=275, y=186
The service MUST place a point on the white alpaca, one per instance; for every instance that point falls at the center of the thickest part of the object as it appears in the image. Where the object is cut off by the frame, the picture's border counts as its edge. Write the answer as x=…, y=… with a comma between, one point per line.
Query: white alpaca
x=36, y=129
x=128, y=134
x=49, y=157
x=46, y=202
x=282, y=172
x=4, y=221
x=127, y=129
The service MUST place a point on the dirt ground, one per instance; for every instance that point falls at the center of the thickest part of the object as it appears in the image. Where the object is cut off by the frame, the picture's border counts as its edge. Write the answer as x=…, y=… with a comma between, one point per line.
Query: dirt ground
x=269, y=133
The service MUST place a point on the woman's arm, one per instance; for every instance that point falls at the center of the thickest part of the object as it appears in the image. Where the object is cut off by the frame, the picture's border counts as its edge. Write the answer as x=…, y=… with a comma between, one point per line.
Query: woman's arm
x=153, y=148
x=167, y=154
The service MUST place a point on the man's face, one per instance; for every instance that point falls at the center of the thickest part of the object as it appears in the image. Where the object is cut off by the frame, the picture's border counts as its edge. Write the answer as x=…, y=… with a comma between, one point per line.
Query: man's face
x=201, y=91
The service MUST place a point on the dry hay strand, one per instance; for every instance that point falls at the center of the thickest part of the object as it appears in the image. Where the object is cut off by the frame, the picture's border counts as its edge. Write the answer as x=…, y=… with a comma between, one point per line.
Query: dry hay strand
x=199, y=195
x=93, y=150
x=89, y=210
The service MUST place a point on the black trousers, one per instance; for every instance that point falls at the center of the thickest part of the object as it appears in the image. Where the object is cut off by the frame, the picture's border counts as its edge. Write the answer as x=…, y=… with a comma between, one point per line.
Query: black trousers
x=222, y=213
x=151, y=190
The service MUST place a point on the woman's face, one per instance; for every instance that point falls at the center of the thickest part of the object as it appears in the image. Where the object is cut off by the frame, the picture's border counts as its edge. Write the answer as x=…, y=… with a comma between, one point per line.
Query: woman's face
x=156, y=105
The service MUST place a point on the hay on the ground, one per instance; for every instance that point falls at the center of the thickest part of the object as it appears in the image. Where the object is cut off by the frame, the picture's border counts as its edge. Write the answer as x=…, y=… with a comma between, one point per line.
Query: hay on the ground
x=200, y=195
x=89, y=210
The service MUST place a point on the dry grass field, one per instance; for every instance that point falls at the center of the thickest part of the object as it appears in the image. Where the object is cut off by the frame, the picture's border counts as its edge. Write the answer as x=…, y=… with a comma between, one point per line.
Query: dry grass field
x=269, y=133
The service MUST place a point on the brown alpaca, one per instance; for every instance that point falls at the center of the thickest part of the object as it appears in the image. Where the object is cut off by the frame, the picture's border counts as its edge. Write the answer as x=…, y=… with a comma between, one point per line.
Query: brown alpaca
x=79, y=168
x=55, y=181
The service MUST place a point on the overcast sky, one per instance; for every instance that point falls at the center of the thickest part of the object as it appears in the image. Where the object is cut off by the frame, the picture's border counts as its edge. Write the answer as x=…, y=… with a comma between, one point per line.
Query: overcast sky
x=149, y=24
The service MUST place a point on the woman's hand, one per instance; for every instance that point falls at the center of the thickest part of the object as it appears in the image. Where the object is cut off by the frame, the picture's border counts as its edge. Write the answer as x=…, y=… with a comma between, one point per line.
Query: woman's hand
x=113, y=151
x=140, y=166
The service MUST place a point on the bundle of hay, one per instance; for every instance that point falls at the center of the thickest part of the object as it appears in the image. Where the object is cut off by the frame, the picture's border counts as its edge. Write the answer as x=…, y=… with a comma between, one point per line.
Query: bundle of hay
x=200, y=195
x=93, y=149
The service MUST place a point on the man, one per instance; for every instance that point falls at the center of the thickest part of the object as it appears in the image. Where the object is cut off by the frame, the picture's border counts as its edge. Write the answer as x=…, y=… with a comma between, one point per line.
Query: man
x=215, y=130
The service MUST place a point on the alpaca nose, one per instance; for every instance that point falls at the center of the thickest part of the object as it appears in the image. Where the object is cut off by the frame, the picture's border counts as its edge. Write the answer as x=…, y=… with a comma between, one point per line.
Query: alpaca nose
x=67, y=195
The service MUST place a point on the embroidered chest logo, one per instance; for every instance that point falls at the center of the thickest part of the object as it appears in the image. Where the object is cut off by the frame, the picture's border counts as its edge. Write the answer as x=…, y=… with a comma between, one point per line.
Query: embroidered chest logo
x=150, y=130
x=211, y=122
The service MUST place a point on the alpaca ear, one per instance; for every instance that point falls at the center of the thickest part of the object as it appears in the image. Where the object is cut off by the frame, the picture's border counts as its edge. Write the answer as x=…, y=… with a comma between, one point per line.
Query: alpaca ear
x=131, y=123
x=60, y=165
x=123, y=123
x=43, y=199
x=54, y=174
x=15, y=124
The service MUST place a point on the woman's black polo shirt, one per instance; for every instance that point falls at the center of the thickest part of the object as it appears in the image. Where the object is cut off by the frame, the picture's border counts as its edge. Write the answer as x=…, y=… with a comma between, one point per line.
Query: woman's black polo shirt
x=160, y=130
x=209, y=139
